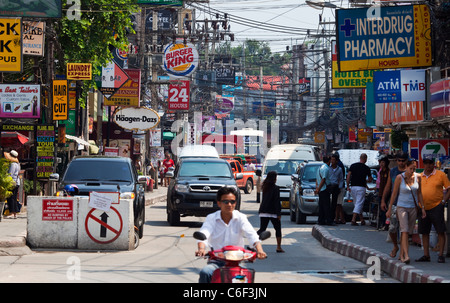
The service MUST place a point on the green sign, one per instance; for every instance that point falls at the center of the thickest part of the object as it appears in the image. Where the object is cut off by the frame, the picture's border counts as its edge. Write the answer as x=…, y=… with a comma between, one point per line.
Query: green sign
x=161, y=2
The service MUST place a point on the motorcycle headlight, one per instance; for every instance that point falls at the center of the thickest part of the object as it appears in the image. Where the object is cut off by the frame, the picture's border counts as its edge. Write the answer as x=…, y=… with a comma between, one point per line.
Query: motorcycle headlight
x=182, y=188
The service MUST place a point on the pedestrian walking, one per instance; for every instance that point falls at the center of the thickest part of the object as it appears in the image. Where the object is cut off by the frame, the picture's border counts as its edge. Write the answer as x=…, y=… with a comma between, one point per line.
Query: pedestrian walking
x=258, y=185
x=270, y=208
x=322, y=189
x=401, y=159
x=434, y=182
x=335, y=188
x=167, y=163
x=14, y=169
x=357, y=185
x=407, y=190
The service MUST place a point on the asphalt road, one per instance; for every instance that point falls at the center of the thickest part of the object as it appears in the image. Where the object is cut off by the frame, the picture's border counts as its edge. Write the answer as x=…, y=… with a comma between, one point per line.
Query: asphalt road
x=166, y=255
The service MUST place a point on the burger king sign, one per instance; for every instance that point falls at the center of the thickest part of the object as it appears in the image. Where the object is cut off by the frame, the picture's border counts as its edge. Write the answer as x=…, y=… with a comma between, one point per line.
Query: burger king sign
x=180, y=60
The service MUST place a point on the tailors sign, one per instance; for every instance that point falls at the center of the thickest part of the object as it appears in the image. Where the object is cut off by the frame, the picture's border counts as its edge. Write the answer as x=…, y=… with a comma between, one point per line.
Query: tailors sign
x=383, y=37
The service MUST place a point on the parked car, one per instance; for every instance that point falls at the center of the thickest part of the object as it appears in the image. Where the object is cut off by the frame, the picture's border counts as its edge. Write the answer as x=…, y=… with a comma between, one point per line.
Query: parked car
x=285, y=159
x=194, y=185
x=107, y=174
x=303, y=201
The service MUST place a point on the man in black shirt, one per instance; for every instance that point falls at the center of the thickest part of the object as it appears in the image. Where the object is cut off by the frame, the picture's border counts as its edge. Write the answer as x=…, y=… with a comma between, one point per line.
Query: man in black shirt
x=357, y=184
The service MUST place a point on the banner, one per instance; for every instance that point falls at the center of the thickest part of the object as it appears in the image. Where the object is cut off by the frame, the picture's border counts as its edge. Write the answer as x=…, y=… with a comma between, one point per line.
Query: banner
x=20, y=101
x=383, y=37
x=11, y=45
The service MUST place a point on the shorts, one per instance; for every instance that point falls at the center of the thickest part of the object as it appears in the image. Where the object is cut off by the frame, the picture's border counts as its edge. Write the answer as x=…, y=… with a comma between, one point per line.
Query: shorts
x=435, y=217
x=393, y=221
x=406, y=219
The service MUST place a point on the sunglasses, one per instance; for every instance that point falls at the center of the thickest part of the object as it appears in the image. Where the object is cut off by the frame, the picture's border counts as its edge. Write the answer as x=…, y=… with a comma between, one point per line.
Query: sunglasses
x=228, y=201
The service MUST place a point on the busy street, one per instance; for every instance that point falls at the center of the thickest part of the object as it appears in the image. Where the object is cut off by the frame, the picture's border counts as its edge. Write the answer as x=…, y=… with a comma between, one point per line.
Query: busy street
x=166, y=255
x=208, y=142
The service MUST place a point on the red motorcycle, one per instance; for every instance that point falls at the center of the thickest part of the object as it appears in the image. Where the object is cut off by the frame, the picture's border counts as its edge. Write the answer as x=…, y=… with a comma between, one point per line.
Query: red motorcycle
x=232, y=272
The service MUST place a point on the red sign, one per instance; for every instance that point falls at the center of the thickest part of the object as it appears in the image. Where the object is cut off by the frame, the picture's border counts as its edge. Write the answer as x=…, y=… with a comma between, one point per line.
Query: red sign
x=57, y=210
x=179, y=95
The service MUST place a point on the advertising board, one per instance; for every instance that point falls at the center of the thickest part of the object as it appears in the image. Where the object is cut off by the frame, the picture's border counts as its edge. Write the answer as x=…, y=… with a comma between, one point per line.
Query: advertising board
x=383, y=37
x=399, y=86
x=20, y=101
x=180, y=60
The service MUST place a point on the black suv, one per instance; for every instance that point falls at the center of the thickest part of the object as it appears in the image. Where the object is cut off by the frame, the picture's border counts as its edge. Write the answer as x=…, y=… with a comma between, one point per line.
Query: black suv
x=194, y=185
x=107, y=174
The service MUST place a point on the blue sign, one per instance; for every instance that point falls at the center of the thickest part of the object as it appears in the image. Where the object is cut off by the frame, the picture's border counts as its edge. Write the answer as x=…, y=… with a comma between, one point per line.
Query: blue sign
x=399, y=86
x=383, y=37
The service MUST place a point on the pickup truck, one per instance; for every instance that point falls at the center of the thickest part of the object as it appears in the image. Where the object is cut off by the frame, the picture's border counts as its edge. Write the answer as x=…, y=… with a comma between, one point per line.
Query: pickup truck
x=247, y=182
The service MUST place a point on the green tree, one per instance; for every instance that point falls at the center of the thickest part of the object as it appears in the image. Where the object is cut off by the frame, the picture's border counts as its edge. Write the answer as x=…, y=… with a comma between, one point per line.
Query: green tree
x=103, y=24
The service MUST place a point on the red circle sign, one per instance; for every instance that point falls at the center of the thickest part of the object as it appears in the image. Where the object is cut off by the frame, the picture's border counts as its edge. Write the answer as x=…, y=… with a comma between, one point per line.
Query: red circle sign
x=104, y=226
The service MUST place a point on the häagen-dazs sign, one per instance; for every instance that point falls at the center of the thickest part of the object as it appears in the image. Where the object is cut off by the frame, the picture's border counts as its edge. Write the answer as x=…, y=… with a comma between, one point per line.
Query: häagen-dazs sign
x=132, y=118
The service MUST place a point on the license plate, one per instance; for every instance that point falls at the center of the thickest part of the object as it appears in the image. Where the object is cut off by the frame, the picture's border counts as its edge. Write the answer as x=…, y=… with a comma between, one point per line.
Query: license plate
x=285, y=204
x=206, y=203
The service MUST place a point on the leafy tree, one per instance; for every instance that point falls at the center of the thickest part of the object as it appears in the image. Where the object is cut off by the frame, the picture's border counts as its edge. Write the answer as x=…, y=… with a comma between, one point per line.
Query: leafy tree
x=102, y=24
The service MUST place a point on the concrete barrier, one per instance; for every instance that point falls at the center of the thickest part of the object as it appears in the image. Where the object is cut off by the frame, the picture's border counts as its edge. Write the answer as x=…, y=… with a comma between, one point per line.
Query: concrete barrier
x=70, y=223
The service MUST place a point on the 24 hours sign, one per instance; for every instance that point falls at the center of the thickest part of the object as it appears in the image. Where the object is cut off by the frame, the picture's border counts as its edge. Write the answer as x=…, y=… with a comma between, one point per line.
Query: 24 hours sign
x=10, y=45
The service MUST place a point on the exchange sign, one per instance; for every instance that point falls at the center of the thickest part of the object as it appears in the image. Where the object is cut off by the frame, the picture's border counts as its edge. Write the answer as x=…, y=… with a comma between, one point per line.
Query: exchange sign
x=383, y=37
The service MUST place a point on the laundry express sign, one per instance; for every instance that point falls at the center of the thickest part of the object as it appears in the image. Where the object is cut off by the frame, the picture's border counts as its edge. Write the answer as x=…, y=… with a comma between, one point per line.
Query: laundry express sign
x=180, y=60
x=136, y=118
x=383, y=37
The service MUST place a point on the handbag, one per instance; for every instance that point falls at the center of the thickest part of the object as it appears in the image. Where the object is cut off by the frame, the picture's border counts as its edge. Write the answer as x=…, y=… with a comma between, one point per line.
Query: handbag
x=412, y=194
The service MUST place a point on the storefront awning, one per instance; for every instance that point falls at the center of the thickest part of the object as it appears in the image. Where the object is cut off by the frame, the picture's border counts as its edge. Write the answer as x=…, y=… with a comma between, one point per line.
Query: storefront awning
x=8, y=138
x=169, y=135
x=78, y=140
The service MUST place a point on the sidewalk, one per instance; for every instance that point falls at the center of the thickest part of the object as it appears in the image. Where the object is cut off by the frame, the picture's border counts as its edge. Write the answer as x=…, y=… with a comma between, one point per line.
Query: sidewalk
x=361, y=242
x=13, y=232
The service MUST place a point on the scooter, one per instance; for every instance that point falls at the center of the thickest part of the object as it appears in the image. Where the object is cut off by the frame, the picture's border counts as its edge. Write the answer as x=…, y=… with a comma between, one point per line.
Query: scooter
x=232, y=272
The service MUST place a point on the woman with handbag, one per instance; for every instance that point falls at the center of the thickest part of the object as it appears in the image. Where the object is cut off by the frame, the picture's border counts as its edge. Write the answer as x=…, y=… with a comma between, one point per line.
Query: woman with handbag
x=407, y=187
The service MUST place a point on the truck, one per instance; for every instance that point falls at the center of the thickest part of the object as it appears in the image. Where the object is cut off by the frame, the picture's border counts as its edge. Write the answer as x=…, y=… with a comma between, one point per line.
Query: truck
x=247, y=182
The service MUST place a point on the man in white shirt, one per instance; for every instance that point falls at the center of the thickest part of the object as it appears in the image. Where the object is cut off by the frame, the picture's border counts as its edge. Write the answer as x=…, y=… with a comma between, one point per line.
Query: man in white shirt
x=226, y=226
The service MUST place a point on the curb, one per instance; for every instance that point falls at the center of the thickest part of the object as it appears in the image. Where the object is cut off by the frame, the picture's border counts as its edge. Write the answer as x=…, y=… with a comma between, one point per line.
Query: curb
x=395, y=268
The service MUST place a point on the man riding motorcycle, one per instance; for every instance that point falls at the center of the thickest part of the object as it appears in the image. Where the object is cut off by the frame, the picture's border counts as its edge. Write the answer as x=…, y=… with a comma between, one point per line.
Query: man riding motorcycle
x=224, y=227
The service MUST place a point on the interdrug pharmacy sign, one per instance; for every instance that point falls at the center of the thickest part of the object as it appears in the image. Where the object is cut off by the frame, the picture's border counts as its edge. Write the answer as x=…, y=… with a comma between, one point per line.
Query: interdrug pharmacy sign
x=383, y=37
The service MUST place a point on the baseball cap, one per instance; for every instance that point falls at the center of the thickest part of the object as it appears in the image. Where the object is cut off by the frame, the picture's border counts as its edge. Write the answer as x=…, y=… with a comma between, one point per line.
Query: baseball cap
x=402, y=155
x=428, y=158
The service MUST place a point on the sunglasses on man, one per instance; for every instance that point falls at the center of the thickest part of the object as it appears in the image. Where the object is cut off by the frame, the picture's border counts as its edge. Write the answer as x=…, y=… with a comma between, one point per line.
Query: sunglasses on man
x=228, y=201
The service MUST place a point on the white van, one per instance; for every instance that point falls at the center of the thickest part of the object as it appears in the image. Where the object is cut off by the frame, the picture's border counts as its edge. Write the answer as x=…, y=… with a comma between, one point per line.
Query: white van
x=285, y=159
x=198, y=151
x=350, y=156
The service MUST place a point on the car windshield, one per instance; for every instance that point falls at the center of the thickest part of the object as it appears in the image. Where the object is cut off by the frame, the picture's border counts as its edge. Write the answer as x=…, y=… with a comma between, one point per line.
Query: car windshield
x=309, y=173
x=98, y=171
x=204, y=169
x=282, y=167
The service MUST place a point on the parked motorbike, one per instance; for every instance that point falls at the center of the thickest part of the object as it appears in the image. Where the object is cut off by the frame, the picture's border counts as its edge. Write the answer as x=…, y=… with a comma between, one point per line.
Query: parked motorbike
x=232, y=271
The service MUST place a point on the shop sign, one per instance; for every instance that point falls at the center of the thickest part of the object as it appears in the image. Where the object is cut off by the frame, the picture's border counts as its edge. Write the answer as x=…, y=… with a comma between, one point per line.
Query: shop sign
x=33, y=38
x=20, y=101
x=383, y=37
x=11, y=45
x=45, y=148
x=180, y=60
x=178, y=95
x=399, y=86
x=130, y=93
x=79, y=71
x=136, y=118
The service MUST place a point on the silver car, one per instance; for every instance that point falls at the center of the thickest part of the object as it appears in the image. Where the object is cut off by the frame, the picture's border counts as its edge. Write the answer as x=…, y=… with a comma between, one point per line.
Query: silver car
x=303, y=201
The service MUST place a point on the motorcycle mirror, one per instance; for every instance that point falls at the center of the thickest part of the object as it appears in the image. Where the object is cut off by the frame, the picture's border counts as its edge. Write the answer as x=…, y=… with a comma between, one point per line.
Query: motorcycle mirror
x=264, y=235
x=199, y=236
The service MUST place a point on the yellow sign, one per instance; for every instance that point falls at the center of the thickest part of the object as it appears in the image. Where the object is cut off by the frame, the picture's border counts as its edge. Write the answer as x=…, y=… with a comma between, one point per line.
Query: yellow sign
x=10, y=45
x=60, y=97
x=319, y=137
x=79, y=71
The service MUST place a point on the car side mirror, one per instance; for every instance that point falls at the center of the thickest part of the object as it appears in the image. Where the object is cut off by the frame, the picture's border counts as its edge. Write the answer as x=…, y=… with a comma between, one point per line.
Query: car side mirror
x=239, y=176
x=54, y=177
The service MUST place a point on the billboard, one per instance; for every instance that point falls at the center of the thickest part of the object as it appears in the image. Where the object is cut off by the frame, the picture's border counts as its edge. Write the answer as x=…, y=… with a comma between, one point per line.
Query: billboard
x=440, y=98
x=383, y=37
x=34, y=9
x=20, y=101
x=352, y=79
x=399, y=86
x=11, y=45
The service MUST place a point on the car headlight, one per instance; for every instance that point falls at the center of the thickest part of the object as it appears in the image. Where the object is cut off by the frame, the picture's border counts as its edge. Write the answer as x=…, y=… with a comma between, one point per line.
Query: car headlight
x=127, y=195
x=308, y=192
x=182, y=188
